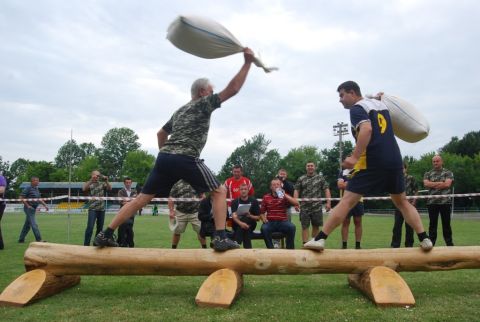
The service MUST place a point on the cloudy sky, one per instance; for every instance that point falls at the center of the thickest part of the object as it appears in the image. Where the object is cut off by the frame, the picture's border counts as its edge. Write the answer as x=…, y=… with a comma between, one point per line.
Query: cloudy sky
x=88, y=66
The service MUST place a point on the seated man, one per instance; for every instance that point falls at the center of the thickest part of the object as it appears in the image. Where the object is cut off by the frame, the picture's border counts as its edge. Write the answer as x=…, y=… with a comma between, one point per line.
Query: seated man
x=273, y=213
x=244, y=217
x=205, y=215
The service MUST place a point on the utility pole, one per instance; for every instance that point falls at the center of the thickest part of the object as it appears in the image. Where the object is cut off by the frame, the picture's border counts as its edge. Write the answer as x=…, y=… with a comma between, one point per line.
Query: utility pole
x=340, y=129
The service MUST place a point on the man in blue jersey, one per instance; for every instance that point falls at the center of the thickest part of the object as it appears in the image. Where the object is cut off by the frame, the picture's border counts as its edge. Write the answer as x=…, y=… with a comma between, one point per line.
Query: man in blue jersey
x=377, y=164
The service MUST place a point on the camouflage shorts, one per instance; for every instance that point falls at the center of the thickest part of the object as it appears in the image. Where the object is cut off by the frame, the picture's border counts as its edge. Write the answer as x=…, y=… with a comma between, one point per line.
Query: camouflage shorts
x=316, y=218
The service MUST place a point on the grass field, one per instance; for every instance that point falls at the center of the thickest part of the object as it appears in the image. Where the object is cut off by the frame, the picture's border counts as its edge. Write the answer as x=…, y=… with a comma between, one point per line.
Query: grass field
x=440, y=296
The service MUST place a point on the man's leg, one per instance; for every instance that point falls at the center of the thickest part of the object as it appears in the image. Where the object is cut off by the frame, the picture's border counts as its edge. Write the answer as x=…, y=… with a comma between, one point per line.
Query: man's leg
x=357, y=221
x=345, y=225
x=408, y=236
x=433, y=225
x=34, y=225
x=305, y=222
x=219, y=204
x=288, y=229
x=100, y=214
x=122, y=235
x=397, y=230
x=175, y=240
x=266, y=230
x=89, y=229
x=445, y=213
x=26, y=226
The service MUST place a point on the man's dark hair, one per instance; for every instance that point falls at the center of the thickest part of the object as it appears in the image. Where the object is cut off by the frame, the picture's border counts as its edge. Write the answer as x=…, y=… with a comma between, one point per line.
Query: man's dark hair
x=126, y=178
x=238, y=166
x=350, y=86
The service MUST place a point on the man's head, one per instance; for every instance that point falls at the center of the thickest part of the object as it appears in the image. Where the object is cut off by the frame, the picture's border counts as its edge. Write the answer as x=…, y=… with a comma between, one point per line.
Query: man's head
x=244, y=190
x=310, y=167
x=282, y=174
x=275, y=184
x=34, y=181
x=200, y=88
x=437, y=162
x=127, y=181
x=95, y=175
x=349, y=93
x=237, y=171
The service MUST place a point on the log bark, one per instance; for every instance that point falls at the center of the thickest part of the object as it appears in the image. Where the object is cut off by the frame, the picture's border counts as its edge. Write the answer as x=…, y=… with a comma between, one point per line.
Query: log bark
x=59, y=259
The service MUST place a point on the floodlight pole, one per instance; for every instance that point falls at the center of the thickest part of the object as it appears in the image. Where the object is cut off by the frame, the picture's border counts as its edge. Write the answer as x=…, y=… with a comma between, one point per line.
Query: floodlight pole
x=340, y=129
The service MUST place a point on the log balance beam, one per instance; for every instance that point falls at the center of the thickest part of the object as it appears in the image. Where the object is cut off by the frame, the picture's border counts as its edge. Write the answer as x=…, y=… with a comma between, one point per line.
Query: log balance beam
x=51, y=268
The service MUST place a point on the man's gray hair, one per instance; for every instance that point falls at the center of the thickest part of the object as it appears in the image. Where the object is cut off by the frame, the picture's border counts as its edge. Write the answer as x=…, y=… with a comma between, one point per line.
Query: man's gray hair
x=198, y=85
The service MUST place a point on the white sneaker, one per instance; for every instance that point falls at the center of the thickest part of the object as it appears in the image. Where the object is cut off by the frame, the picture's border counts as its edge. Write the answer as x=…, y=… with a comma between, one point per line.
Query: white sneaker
x=426, y=244
x=315, y=244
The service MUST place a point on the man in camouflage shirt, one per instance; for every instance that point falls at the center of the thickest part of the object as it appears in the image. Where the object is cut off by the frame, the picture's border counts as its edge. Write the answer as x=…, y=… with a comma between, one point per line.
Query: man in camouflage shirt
x=184, y=212
x=311, y=185
x=411, y=189
x=96, y=187
x=439, y=182
x=181, y=141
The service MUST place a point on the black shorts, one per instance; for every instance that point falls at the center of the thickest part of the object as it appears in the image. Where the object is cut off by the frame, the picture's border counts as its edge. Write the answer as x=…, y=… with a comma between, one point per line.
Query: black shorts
x=375, y=182
x=169, y=168
x=357, y=211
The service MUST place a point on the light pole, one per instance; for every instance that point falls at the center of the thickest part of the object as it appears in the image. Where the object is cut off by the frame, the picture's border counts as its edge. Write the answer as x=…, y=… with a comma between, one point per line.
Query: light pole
x=340, y=129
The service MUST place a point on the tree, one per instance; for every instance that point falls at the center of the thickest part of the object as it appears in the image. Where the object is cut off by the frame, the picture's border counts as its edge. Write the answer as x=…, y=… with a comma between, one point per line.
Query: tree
x=138, y=165
x=116, y=143
x=4, y=166
x=253, y=156
x=69, y=153
x=88, y=149
x=84, y=169
x=296, y=159
x=469, y=145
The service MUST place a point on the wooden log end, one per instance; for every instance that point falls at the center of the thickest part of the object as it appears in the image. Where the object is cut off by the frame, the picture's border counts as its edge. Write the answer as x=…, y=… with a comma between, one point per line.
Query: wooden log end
x=35, y=285
x=220, y=289
x=383, y=286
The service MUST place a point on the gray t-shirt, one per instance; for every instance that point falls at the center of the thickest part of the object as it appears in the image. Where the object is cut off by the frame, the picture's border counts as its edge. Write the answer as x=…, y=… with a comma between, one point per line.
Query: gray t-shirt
x=188, y=127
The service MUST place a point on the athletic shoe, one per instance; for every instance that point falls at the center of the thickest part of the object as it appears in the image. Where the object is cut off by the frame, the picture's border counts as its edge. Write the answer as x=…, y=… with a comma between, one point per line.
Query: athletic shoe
x=103, y=241
x=315, y=244
x=221, y=245
x=426, y=244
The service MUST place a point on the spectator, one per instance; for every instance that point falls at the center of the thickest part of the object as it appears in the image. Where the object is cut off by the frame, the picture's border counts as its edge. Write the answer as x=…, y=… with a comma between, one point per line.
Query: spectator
x=184, y=212
x=97, y=186
x=411, y=189
x=233, y=183
x=439, y=182
x=273, y=213
x=125, y=230
x=244, y=220
x=30, y=207
x=311, y=185
x=181, y=141
x=3, y=188
x=356, y=212
x=205, y=215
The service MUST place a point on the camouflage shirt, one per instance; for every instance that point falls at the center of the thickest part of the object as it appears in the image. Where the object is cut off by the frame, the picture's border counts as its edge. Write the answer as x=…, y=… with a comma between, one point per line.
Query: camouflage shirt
x=311, y=187
x=188, y=127
x=97, y=189
x=182, y=189
x=439, y=176
x=411, y=187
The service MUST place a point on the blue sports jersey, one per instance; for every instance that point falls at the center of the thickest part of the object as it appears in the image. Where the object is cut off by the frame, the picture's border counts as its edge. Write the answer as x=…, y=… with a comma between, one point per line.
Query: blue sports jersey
x=382, y=151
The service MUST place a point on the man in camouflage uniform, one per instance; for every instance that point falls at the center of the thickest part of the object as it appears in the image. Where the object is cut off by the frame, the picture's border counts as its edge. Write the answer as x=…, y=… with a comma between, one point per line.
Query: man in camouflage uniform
x=311, y=185
x=181, y=140
x=184, y=212
x=411, y=189
x=439, y=182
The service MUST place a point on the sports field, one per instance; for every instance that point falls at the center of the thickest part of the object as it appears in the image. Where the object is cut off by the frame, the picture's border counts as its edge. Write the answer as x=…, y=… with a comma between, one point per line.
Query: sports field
x=440, y=296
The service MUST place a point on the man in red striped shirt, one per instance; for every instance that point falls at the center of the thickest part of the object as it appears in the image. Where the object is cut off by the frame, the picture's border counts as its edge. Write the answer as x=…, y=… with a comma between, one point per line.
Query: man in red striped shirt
x=273, y=213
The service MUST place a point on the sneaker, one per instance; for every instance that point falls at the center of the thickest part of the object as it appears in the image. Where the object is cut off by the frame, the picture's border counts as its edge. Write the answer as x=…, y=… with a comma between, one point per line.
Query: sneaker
x=102, y=241
x=426, y=244
x=221, y=245
x=315, y=244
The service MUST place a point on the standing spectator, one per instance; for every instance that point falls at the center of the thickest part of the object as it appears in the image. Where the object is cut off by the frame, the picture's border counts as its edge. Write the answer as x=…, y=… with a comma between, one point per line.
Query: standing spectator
x=181, y=140
x=439, y=182
x=273, y=213
x=184, y=212
x=377, y=161
x=411, y=189
x=125, y=230
x=233, y=183
x=30, y=207
x=356, y=212
x=96, y=187
x=244, y=222
x=311, y=185
x=3, y=188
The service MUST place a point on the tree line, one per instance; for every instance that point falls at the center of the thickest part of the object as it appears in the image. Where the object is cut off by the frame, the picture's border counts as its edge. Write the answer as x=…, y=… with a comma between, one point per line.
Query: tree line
x=120, y=155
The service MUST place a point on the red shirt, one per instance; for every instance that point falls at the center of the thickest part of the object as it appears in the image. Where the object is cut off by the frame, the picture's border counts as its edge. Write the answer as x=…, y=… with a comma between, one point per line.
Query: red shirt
x=233, y=187
x=275, y=207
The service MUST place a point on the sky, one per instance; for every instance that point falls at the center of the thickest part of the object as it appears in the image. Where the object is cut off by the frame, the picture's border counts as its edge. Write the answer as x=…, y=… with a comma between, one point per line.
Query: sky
x=83, y=67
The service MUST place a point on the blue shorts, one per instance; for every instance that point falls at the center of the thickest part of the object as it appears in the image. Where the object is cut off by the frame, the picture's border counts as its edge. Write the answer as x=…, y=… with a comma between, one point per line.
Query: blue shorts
x=376, y=182
x=357, y=211
x=169, y=168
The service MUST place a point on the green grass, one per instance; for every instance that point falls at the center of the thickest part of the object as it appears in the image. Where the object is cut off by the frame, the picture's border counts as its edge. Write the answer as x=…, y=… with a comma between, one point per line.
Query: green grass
x=440, y=296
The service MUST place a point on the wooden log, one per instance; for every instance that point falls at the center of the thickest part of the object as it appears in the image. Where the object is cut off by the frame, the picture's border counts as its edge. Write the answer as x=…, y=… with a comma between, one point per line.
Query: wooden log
x=59, y=259
x=220, y=289
x=35, y=285
x=383, y=286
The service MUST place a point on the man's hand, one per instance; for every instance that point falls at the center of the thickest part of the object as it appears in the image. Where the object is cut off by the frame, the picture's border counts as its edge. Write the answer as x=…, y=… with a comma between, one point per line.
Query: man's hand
x=349, y=162
x=248, y=55
x=328, y=206
x=172, y=213
x=244, y=226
